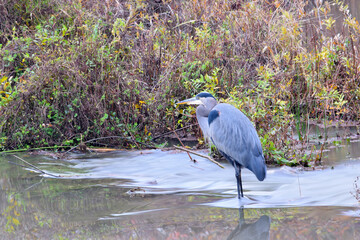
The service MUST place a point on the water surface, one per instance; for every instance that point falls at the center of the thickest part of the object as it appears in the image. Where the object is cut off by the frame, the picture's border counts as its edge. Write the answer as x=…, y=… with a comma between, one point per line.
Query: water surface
x=163, y=195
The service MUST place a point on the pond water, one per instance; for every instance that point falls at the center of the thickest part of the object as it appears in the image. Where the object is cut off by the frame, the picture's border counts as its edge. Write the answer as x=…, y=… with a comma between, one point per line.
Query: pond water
x=163, y=195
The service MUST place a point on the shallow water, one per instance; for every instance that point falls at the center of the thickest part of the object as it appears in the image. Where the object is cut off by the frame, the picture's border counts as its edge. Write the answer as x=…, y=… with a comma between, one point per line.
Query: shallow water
x=162, y=195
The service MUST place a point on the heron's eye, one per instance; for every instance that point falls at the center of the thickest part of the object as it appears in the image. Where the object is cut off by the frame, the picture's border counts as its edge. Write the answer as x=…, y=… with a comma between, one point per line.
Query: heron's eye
x=197, y=97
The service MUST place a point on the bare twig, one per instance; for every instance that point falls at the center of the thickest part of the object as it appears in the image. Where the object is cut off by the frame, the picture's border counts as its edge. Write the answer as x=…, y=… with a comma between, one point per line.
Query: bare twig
x=185, y=23
x=17, y=164
x=36, y=168
x=133, y=138
x=179, y=138
x=200, y=155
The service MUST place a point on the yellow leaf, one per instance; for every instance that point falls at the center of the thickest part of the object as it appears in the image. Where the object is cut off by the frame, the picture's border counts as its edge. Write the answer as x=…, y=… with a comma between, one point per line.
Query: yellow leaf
x=15, y=221
x=16, y=213
x=3, y=79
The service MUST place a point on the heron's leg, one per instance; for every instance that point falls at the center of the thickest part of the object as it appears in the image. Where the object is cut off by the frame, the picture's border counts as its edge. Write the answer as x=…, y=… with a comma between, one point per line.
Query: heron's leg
x=241, y=188
x=238, y=181
x=237, y=167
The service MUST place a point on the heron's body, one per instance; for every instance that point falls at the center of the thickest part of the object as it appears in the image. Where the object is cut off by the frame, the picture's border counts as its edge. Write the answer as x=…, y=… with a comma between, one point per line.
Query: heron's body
x=246, y=150
x=233, y=135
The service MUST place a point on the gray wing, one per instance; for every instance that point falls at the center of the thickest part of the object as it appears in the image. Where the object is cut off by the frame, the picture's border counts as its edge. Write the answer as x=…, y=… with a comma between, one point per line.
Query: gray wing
x=233, y=133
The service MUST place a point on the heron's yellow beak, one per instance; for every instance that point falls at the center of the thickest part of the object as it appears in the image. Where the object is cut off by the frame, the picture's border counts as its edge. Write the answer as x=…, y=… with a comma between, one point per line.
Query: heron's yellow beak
x=190, y=101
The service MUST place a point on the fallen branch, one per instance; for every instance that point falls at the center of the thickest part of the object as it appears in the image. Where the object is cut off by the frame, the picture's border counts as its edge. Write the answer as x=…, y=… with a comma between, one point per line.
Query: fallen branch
x=17, y=164
x=200, y=155
x=36, y=168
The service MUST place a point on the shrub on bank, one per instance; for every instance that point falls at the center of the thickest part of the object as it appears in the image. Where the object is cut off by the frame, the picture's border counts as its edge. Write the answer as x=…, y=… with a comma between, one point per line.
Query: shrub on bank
x=79, y=70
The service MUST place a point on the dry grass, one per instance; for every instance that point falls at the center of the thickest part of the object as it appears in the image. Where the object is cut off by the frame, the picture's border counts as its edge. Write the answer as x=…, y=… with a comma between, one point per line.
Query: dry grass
x=89, y=69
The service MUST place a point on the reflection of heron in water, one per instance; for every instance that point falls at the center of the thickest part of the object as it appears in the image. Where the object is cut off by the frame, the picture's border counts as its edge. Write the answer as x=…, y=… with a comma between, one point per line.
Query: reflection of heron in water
x=257, y=230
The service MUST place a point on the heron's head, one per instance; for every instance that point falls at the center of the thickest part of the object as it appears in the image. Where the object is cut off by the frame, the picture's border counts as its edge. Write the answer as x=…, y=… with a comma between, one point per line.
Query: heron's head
x=203, y=98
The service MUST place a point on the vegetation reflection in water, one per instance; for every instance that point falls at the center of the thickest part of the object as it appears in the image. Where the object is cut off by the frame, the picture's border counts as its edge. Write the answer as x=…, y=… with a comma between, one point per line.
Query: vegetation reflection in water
x=90, y=202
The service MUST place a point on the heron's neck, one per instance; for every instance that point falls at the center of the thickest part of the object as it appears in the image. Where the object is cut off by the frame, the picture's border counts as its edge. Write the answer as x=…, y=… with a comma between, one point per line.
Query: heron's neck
x=203, y=110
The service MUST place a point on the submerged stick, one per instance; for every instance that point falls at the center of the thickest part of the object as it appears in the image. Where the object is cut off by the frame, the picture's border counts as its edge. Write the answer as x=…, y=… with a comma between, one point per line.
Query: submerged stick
x=34, y=167
x=200, y=155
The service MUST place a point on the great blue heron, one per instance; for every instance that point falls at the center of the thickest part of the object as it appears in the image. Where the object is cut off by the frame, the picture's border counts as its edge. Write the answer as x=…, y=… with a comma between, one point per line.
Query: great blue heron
x=232, y=133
